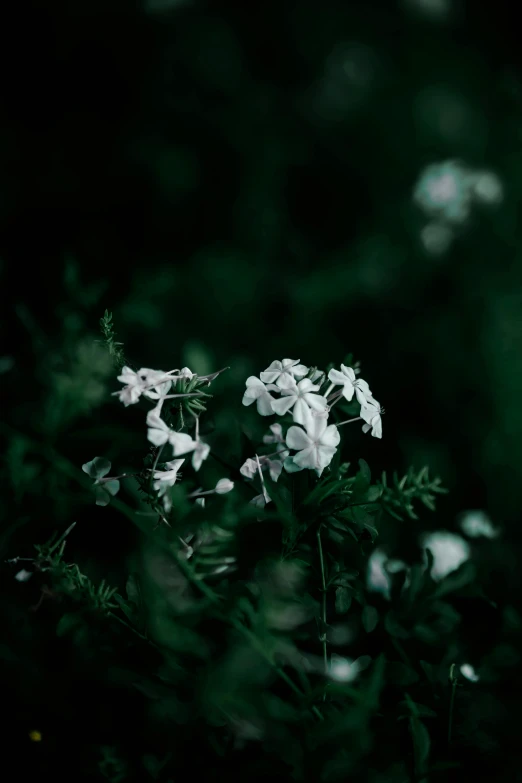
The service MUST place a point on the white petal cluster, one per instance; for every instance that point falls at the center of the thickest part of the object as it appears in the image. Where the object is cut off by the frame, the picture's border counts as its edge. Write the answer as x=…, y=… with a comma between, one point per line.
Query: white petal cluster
x=288, y=387
x=155, y=385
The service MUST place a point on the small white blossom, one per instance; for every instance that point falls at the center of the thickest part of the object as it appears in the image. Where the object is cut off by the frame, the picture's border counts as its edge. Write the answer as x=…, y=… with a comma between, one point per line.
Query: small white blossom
x=200, y=454
x=378, y=572
x=152, y=383
x=282, y=373
x=449, y=552
x=163, y=479
x=469, y=672
x=276, y=436
x=186, y=373
x=345, y=669
x=167, y=478
x=346, y=378
x=223, y=486
x=316, y=445
x=477, y=523
x=371, y=414
x=256, y=391
x=159, y=434
x=299, y=396
x=23, y=575
x=249, y=469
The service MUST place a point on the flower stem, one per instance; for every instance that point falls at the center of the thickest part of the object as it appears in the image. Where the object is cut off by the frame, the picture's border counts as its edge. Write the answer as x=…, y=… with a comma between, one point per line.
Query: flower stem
x=322, y=636
x=349, y=421
x=454, y=683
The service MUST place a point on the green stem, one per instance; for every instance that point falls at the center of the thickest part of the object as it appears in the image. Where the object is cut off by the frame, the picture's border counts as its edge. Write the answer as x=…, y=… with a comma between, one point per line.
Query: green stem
x=252, y=638
x=322, y=636
x=454, y=683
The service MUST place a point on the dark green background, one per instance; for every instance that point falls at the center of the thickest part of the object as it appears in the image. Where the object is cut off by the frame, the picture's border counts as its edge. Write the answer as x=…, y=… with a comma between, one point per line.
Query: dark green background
x=212, y=175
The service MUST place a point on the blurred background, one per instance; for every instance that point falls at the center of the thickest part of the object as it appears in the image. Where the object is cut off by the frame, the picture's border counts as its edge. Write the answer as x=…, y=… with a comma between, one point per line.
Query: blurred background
x=240, y=182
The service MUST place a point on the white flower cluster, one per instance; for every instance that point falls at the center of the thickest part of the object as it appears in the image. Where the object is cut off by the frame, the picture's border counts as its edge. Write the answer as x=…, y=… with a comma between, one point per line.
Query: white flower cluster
x=446, y=193
x=155, y=385
x=313, y=439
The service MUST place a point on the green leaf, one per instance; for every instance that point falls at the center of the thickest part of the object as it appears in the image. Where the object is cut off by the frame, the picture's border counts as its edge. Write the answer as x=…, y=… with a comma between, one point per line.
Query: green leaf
x=343, y=600
x=395, y=628
x=97, y=468
x=68, y=623
x=456, y=580
x=400, y=674
x=370, y=618
x=421, y=744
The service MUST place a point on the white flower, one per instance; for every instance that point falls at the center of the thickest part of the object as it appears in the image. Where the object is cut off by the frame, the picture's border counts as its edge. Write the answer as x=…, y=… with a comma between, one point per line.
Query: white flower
x=345, y=669
x=200, y=454
x=371, y=414
x=282, y=373
x=167, y=478
x=379, y=570
x=256, y=391
x=223, y=486
x=152, y=383
x=276, y=436
x=449, y=552
x=260, y=501
x=315, y=446
x=159, y=433
x=477, y=523
x=249, y=468
x=186, y=373
x=346, y=378
x=469, y=673
x=299, y=396
x=23, y=575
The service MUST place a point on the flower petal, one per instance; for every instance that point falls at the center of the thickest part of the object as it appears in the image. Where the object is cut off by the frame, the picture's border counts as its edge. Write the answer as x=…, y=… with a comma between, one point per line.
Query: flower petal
x=297, y=438
x=181, y=443
x=283, y=405
x=348, y=372
x=337, y=377
x=264, y=404
x=316, y=401
x=330, y=437
x=307, y=458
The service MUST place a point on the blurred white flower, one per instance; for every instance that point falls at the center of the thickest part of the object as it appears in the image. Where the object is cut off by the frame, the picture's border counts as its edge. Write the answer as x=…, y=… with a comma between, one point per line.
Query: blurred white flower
x=23, y=575
x=476, y=523
x=249, y=468
x=487, y=187
x=276, y=436
x=256, y=391
x=186, y=373
x=200, y=454
x=315, y=446
x=159, y=433
x=345, y=669
x=299, y=396
x=444, y=190
x=152, y=383
x=378, y=572
x=282, y=373
x=469, y=673
x=223, y=486
x=449, y=552
x=436, y=237
x=346, y=378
